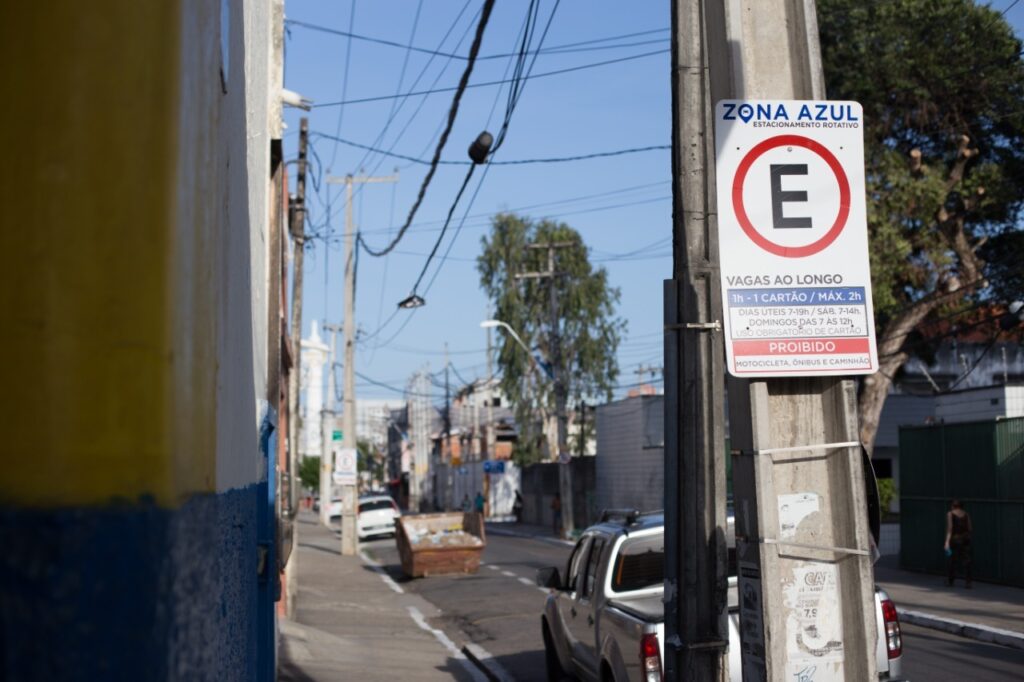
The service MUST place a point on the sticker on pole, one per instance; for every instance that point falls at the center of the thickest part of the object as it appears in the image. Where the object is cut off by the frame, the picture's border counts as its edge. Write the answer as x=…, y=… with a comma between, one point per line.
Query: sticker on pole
x=793, y=238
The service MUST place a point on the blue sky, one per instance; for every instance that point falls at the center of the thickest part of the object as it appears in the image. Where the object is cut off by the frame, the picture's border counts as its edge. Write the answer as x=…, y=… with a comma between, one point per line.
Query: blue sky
x=620, y=205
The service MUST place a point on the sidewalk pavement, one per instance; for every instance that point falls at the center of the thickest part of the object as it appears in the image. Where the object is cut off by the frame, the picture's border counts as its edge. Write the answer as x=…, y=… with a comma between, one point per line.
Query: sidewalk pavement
x=352, y=622
x=986, y=612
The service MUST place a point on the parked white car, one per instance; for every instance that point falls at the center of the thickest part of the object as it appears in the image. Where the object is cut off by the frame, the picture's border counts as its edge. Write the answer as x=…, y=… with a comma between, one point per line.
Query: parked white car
x=376, y=516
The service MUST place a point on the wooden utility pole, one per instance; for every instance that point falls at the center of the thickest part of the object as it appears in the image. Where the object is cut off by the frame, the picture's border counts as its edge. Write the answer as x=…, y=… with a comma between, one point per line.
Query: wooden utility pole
x=696, y=605
x=349, y=439
x=298, y=231
x=296, y=225
x=562, y=455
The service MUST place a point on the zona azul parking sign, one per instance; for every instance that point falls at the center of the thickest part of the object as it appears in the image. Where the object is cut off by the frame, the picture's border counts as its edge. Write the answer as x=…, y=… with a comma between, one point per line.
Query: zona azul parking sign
x=793, y=242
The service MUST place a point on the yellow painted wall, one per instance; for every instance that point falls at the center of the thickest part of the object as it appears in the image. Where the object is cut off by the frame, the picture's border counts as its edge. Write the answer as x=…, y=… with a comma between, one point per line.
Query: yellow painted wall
x=90, y=238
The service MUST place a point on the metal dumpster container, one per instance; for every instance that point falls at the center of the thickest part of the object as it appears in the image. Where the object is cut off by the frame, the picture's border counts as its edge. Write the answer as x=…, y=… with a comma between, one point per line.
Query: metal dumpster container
x=436, y=544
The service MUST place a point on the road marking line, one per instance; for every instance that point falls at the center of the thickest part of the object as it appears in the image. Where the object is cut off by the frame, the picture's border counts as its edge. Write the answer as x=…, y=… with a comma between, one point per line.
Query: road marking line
x=543, y=590
x=448, y=644
x=509, y=574
x=379, y=570
x=482, y=657
x=492, y=567
x=526, y=581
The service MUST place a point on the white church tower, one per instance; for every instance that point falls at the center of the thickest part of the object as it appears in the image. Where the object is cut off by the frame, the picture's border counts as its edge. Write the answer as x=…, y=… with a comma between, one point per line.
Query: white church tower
x=311, y=392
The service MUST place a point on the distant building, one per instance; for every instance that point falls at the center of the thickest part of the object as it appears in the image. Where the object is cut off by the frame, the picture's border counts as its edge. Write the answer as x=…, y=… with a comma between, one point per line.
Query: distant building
x=630, y=461
x=372, y=418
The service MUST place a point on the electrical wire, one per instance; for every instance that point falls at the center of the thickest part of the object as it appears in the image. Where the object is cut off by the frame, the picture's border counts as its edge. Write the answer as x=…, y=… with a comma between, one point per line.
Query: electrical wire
x=389, y=387
x=440, y=237
x=556, y=49
x=487, y=222
x=344, y=82
x=512, y=162
x=459, y=376
x=515, y=92
x=545, y=74
x=468, y=208
x=404, y=98
x=452, y=112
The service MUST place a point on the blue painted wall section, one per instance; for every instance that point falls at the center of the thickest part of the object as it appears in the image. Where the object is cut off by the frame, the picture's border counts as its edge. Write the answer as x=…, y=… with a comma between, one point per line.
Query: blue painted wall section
x=123, y=592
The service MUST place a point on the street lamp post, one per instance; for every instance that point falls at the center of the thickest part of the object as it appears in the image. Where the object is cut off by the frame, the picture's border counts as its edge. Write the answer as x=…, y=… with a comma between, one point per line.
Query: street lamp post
x=564, y=472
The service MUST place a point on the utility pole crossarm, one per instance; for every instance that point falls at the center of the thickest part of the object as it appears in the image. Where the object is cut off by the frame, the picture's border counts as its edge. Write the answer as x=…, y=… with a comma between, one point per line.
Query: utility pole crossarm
x=360, y=179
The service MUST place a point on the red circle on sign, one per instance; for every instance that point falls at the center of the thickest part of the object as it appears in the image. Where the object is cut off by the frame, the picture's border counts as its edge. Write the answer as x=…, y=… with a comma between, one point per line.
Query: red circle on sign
x=741, y=212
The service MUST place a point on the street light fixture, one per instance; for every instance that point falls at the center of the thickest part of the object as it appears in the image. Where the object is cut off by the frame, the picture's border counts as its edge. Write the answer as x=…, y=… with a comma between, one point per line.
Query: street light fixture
x=410, y=302
x=490, y=324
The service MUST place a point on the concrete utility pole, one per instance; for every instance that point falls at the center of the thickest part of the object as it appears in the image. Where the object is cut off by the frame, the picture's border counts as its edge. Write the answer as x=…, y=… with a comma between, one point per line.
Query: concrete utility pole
x=448, y=432
x=349, y=438
x=561, y=394
x=696, y=605
x=795, y=439
x=327, y=433
x=490, y=399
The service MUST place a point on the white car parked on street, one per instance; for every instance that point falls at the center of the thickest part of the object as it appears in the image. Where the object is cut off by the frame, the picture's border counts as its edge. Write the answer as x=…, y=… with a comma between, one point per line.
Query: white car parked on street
x=376, y=515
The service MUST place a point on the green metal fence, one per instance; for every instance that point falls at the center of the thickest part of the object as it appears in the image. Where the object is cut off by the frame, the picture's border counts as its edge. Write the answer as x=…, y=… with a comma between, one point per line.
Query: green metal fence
x=979, y=463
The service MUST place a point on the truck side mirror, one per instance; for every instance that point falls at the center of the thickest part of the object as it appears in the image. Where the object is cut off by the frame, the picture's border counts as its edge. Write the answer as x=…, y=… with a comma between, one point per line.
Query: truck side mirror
x=548, y=577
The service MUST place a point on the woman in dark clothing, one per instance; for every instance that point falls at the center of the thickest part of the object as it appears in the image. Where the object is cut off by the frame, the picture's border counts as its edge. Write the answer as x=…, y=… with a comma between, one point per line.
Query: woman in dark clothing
x=958, y=542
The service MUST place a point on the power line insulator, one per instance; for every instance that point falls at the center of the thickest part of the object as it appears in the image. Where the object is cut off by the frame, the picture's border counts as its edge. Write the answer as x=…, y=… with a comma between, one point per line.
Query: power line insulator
x=481, y=147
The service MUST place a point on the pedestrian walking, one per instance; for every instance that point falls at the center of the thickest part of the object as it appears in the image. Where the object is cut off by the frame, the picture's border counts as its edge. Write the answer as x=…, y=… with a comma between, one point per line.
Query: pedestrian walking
x=478, y=502
x=556, y=515
x=958, y=543
x=517, y=507
x=466, y=504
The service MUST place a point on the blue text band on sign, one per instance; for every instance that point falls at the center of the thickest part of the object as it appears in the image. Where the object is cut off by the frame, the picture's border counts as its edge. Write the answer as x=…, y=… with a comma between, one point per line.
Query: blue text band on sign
x=796, y=296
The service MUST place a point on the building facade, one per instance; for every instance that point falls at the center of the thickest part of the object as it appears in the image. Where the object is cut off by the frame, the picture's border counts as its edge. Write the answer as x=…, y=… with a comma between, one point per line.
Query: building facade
x=137, y=502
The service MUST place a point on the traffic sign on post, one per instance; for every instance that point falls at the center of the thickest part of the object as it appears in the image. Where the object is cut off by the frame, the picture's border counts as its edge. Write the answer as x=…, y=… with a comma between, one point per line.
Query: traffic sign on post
x=346, y=469
x=793, y=242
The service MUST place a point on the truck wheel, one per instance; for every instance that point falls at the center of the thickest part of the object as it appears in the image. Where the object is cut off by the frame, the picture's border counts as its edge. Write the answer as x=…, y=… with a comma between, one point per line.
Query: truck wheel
x=551, y=663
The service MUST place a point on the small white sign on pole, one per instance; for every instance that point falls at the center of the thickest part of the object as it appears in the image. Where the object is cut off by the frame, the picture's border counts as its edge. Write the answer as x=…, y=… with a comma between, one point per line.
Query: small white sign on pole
x=793, y=240
x=346, y=469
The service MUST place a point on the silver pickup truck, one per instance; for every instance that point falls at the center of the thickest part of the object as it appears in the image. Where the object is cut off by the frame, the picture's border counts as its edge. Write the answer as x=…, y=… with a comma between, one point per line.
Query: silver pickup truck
x=605, y=620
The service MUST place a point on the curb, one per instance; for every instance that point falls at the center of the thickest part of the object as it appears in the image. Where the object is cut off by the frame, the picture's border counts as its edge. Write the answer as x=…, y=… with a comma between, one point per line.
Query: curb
x=487, y=664
x=527, y=536
x=982, y=633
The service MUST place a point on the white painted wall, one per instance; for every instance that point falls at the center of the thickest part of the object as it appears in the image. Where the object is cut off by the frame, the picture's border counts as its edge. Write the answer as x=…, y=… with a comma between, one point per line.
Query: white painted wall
x=242, y=252
x=978, y=404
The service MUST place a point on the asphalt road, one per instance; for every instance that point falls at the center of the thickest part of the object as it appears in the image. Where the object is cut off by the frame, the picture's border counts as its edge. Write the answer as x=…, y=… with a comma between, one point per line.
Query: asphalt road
x=499, y=609
x=933, y=655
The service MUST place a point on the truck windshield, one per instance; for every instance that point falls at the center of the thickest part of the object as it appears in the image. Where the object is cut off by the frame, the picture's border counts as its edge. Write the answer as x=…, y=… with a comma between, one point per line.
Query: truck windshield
x=640, y=564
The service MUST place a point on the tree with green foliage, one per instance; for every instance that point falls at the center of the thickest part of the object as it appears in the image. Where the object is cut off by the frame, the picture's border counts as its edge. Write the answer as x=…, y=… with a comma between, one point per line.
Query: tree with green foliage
x=309, y=473
x=942, y=85
x=368, y=460
x=588, y=329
